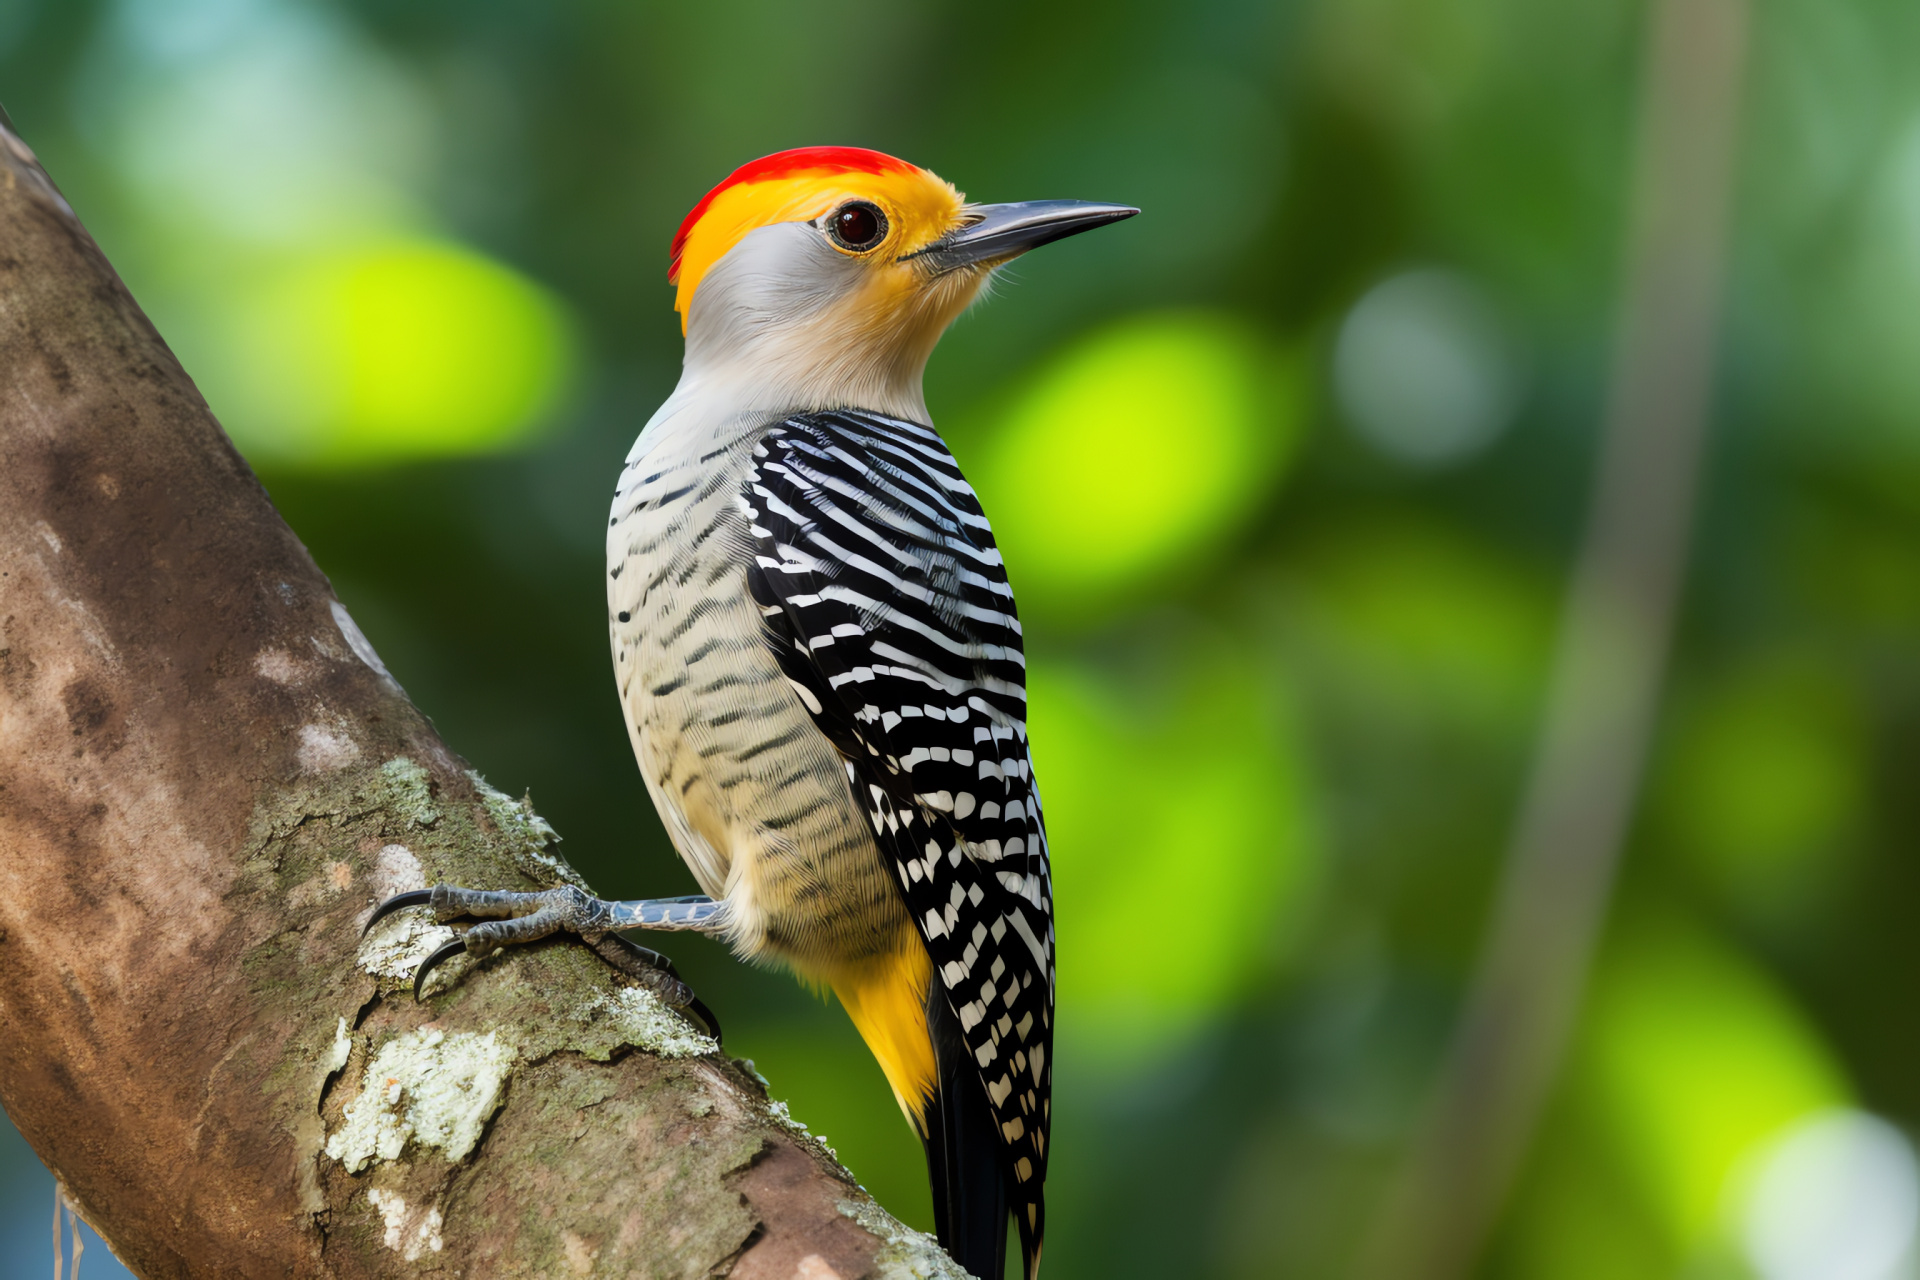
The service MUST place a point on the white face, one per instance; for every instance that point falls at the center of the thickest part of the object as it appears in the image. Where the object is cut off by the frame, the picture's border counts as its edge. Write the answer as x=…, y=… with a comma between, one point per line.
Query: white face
x=789, y=320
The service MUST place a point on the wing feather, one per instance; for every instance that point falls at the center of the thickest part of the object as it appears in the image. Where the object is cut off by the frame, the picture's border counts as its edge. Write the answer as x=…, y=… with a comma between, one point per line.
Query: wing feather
x=887, y=605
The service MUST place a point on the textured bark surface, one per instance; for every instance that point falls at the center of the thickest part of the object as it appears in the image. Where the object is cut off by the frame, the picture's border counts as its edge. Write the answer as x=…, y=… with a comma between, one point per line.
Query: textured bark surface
x=206, y=780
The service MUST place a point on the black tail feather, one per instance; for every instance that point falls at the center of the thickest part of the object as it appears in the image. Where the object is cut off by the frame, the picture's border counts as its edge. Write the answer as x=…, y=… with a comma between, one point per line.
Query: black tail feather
x=964, y=1161
x=1031, y=1231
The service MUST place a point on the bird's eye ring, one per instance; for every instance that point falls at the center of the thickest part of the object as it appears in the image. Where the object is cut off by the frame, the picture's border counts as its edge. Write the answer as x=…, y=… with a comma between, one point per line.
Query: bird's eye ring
x=857, y=226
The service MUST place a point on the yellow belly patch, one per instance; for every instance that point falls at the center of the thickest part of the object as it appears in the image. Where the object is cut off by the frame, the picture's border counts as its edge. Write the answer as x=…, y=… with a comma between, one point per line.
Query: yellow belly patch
x=887, y=1000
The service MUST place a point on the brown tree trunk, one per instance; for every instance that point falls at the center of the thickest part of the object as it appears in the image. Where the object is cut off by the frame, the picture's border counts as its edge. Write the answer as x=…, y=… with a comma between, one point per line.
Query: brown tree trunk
x=206, y=781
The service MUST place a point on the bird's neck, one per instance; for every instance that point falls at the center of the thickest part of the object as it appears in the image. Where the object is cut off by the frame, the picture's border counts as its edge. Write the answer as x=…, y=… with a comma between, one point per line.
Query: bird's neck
x=769, y=376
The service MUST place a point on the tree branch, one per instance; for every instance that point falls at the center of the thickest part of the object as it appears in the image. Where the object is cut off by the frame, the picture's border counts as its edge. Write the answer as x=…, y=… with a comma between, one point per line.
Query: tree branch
x=206, y=781
x=1610, y=662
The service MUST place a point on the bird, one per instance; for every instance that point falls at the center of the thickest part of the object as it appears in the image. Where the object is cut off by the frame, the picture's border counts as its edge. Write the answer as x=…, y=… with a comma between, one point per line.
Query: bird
x=821, y=664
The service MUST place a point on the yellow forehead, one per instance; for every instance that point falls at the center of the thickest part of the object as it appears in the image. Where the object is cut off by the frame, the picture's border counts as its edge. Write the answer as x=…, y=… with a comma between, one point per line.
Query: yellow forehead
x=920, y=208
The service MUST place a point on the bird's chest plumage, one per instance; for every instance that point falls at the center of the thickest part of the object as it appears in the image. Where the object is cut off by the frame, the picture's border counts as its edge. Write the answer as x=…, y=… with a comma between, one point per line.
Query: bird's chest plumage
x=755, y=799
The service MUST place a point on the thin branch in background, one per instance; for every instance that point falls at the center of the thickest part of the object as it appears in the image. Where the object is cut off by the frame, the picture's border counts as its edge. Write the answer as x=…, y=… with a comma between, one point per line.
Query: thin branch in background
x=1609, y=662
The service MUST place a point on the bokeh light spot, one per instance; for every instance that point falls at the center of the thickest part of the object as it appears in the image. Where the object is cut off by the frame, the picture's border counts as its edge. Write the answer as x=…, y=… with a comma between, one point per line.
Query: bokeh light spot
x=1143, y=783
x=1699, y=1059
x=1428, y=625
x=1138, y=449
x=1424, y=369
x=1836, y=1198
x=1768, y=775
x=383, y=352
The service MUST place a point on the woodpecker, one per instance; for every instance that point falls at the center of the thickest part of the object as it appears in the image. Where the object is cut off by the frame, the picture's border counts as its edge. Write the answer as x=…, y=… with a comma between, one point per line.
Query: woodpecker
x=821, y=666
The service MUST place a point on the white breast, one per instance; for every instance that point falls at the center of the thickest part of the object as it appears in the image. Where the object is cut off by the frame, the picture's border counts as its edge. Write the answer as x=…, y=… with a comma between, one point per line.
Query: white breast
x=753, y=796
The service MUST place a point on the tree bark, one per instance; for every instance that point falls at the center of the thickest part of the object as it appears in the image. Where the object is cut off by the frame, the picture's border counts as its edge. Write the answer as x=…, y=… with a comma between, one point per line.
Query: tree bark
x=206, y=781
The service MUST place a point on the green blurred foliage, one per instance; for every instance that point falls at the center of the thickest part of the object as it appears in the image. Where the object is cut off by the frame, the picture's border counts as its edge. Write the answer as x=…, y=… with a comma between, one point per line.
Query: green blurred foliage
x=1690, y=1061
x=1182, y=420
x=1695, y=1058
x=1193, y=750
x=1285, y=683
x=1767, y=781
x=384, y=352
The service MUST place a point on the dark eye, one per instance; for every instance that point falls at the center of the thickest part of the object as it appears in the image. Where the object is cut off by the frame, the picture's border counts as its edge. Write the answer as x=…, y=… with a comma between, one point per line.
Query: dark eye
x=857, y=225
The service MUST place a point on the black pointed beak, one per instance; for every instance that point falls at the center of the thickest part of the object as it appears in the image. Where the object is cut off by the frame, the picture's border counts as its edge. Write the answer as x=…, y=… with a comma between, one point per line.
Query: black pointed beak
x=999, y=232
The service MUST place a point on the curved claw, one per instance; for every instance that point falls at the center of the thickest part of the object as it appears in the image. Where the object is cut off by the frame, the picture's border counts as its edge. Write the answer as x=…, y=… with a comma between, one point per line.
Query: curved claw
x=698, y=1007
x=446, y=952
x=398, y=902
x=645, y=955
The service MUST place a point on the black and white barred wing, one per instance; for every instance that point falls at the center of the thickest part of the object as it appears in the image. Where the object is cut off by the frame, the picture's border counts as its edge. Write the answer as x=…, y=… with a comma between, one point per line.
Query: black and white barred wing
x=888, y=605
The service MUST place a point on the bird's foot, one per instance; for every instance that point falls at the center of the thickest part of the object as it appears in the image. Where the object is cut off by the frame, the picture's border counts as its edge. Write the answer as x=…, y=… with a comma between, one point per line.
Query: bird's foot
x=509, y=918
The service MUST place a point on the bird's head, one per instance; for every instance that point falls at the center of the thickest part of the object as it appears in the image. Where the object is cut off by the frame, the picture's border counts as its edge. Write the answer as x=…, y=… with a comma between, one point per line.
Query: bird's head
x=822, y=278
